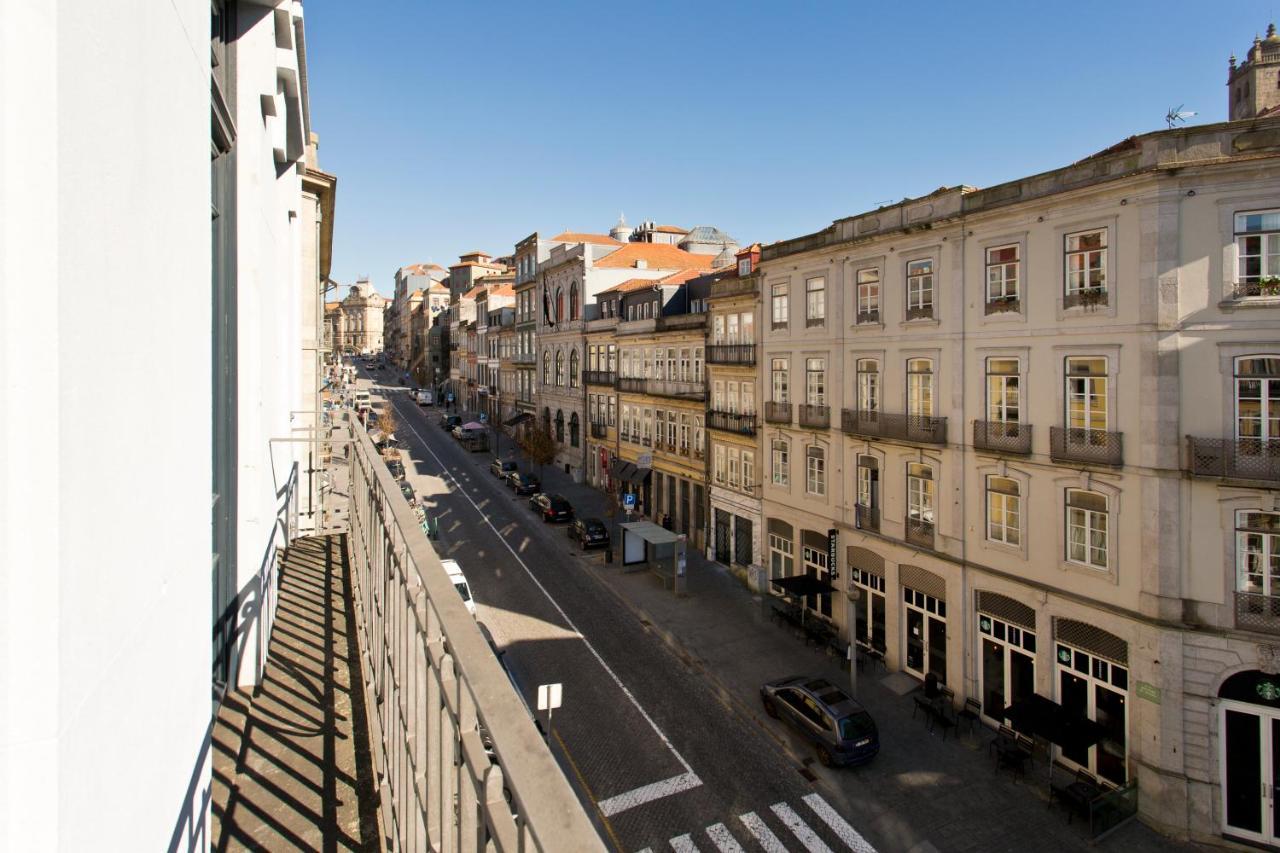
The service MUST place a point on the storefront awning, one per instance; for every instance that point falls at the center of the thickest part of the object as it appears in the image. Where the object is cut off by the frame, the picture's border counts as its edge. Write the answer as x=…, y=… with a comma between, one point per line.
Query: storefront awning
x=517, y=419
x=629, y=473
x=801, y=585
x=1038, y=716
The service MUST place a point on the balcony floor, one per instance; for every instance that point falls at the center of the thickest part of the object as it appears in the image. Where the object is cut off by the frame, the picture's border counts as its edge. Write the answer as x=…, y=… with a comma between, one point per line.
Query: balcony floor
x=292, y=767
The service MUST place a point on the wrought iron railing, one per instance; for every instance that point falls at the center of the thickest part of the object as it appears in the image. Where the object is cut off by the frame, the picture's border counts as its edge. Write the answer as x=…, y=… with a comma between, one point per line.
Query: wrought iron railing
x=1087, y=297
x=631, y=385
x=523, y=358
x=1091, y=446
x=916, y=428
x=731, y=354
x=866, y=517
x=815, y=417
x=920, y=312
x=920, y=532
x=871, y=316
x=732, y=422
x=599, y=377
x=599, y=430
x=443, y=786
x=674, y=388
x=777, y=413
x=1002, y=304
x=1002, y=436
x=1236, y=459
x=1249, y=289
x=1258, y=612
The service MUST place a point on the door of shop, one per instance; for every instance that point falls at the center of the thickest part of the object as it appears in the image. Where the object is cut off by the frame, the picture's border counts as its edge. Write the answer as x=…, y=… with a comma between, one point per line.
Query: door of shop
x=722, y=537
x=926, y=634
x=1249, y=757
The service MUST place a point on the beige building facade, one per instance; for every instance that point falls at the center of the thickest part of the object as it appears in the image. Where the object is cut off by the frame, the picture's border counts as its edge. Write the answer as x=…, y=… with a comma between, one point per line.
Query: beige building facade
x=354, y=325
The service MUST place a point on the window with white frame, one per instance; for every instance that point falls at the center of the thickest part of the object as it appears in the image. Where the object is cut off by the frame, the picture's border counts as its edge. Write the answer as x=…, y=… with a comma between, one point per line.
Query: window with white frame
x=815, y=381
x=1086, y=262
x=1087, y=528
x=778, y=303
x=781, y=557
x=560, y=369
x=1003, y=268
x=815, y=300
x=1258, y=252
x=748, y=398
x=685, y=427
x=697, y=364
x=748, y=470
x=868, y=385
x=718, y=464
x=1258, y=552
x=815, y=465
x=1003, y=400
x=920, y=288
x=1086, y=393
x=1004, y=510
x=1258, y=399
x=920, y=493
x=779, y=376
x=780, y=462
x=734, y=475
x=546, y=368
x=920, y=387
x=868, y=295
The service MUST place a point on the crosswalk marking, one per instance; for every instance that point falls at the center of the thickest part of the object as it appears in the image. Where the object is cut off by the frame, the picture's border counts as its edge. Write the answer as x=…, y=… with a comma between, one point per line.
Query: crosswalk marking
x=683, y=844
x=762, y=833
x=839, y=825
x=724, y=839
x=800, y=829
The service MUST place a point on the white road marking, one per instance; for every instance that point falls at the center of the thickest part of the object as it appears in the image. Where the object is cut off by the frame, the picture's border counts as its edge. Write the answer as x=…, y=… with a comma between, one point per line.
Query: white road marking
x=684, y=844
x=762, y=833
x=691, y=779
x=648, y=793
x=724, y=840
x=839, y=825
x=800, y=829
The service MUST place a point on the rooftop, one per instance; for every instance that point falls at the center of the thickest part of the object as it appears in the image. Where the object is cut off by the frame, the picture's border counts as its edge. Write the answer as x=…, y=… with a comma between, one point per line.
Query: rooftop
x=579, y=237
x=655, y=256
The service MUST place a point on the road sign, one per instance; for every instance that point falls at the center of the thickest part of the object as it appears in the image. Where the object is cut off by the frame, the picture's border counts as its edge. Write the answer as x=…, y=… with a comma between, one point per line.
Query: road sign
x=483, y=417
x=645, y=460
x=629, y=501
x=549, y=696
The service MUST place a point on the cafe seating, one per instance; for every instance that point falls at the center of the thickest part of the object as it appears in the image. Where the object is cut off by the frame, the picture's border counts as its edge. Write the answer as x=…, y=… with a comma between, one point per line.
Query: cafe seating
x=1077, y=794
x=1012, y=750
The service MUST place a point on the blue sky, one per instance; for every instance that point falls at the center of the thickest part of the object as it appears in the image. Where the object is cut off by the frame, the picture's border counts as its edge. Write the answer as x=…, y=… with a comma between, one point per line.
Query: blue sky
x=469, y=125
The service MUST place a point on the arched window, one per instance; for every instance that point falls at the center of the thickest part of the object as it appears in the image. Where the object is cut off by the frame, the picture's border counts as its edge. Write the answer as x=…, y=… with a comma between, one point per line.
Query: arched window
x=573, y=369
x=560, y=369
x=560, y=426
x=573, y=300
x=573, y=430
x=546, y=419
x=559, y=304
x=546, y=367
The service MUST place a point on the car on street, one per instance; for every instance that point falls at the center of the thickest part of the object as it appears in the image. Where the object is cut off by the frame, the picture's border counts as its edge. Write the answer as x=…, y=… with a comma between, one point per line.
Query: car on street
x=839, y=728
x=551, y=507
x=448, y=422
x=501, y=468
x=589, y=533
x=523, y=484
x=454, y=571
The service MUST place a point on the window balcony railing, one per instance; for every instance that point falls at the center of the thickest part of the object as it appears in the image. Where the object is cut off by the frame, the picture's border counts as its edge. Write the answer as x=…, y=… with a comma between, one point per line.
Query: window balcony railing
x=867, y=517
x=1086, y=297
x=1003, y=304
x=523, y=358
x=454, y=745
x=1090, y=446
x=732, y=422
x=815, y=417
x=646, y=441
x=920, y=532
x=920, y=312
x=777, y=413
x=631, y=384
x=1235, y=459
x=599, y=429
x=731, y=354
x=1253, y=289
x=1258, y=612
x=870, y=316
x=1002, y=436
x=599, y=377
x=916, y=428
x=675, y=388
x=813, y=322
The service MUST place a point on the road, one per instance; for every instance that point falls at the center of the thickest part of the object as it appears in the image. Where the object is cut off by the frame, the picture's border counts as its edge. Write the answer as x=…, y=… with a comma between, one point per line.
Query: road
x=659, y=760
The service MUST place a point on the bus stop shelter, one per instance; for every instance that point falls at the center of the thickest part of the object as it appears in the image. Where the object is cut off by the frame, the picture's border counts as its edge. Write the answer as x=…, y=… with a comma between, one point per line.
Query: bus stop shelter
x=646, y=546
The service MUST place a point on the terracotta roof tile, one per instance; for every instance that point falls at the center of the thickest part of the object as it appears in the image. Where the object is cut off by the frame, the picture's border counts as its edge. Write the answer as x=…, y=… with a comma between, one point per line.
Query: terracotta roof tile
x=629, y=285
x=671, y=229
x=656, y=256
x=503, y=290
x=580, y=237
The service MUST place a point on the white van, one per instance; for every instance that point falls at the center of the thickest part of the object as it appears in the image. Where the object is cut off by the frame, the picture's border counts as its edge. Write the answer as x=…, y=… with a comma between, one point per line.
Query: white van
x=454, y=571
x=424, y=397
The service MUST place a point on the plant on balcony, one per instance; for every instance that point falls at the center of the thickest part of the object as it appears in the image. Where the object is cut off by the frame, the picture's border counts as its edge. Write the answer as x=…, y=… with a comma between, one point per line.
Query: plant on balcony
x=1269, y=286
x=1091, y=297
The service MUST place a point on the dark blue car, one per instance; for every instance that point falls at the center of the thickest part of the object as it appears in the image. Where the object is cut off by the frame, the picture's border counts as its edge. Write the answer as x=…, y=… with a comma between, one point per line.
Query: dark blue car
x=839, y=728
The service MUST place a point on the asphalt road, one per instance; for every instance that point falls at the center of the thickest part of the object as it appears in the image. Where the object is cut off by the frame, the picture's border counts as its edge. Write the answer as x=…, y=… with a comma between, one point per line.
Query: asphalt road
x=656, y=756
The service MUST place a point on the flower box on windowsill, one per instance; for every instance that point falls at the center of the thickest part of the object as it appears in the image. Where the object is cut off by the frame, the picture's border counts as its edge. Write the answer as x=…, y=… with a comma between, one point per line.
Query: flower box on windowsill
x=1003, y=304
x=1088, y=298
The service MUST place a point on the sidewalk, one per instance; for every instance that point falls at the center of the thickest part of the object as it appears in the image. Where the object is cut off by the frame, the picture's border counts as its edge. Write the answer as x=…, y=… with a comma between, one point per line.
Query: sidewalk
x=923, y=791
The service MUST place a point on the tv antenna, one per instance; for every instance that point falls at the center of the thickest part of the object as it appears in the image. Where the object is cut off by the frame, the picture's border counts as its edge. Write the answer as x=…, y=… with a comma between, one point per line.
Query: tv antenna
x=1177, y=116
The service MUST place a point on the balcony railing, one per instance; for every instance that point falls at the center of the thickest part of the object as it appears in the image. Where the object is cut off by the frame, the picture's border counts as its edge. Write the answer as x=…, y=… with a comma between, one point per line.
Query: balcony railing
x=815, y=417
x=458, y=771
x=631, y=384
x=599, y=430
x=1252, y=289
x=523, y=358
x=731, y=354
x=1002, y=304
x=732, y=422
x=1002, y=436
x=867, y=517
x=1235, y=459
x=1088, y=297
x=1258, y=612
x=871, y=316
x=917, y=428
x=920, y=532
x=1091, y=446
x=599, y=377
x=777, y=413
x=920, y=312
x=663, y=388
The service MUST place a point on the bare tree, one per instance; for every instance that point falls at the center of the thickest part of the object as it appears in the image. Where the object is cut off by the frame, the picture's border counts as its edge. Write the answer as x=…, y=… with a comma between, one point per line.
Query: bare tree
x=539, y=445
x=387, y=420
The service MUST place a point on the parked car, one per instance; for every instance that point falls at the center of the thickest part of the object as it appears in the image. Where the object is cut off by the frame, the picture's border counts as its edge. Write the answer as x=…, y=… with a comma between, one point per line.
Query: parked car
x=551, y=507
x=589, y=533
x=523, y=484
x=462, y=433
x=396, y=467
x=448, y=422
x=839, y=728
x=501, y=468
x=454, y=571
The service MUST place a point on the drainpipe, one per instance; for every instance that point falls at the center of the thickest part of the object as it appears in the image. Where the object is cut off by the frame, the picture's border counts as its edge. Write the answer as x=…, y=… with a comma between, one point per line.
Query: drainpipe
x=968, y=672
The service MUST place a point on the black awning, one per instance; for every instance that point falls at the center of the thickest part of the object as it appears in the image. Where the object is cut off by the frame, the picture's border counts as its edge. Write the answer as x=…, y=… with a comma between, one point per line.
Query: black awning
x=638, y=476
x=1037, y=716
x=517, y=419
x=619, y=469
x=804, y=585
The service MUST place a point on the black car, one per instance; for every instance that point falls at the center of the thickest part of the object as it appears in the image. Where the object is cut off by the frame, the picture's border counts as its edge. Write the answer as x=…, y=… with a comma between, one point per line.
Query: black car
x=448, y=422
x=396, y=467
x=501, y=468
x=523, y=484
x=551, y=507
x=589, y=533
x=840, y=728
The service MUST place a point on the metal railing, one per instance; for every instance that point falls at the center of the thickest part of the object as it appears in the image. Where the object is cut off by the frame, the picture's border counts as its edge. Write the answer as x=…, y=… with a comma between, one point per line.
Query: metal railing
x=1002, y=436
x=1091, y=446
x=433, y=686
x=631, y=384
x=922, y=429
x=920, y=312
x=674, y=388
x=1087, y=297
x=523, y=358
x=1236, y=459
x=815, y=417
x=866, y=517
x=731, y=354
x=1248, y=289
x=599, y=430
x=599, y=377
x=871, y=316
x=1258, y=612
x=777, y=413
x=920, y=532
x=732, y=422
x=1002, y=304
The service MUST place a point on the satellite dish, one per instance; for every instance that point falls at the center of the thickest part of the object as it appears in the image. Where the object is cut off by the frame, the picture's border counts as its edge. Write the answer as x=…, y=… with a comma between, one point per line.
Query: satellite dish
x=1177, y=116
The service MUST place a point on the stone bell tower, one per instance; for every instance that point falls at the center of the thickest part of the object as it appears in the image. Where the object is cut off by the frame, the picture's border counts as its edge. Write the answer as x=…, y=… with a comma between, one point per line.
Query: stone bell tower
x=1253, y=87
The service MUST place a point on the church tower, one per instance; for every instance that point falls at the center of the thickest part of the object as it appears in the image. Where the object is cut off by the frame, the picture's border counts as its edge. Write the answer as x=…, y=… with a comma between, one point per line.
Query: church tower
x=621, y=232
x=1253, y=87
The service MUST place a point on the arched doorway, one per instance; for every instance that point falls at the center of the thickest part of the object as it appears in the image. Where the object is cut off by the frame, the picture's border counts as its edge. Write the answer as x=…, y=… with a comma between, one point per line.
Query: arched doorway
x=1249, y=755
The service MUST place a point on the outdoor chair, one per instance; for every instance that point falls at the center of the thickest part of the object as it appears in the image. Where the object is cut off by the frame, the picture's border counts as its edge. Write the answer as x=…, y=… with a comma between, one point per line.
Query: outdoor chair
x=1077, y=794
x=971, y=713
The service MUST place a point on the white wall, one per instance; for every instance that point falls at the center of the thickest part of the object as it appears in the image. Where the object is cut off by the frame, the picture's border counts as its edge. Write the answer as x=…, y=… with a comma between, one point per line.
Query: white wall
x=104, y=511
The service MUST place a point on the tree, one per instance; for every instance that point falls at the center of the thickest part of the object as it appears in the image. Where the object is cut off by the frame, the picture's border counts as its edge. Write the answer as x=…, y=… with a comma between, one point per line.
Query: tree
x=387, y=422
x=539, y=445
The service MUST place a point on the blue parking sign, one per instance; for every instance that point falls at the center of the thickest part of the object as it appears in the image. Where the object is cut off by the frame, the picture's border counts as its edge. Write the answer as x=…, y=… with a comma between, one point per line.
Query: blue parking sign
x=629, y=501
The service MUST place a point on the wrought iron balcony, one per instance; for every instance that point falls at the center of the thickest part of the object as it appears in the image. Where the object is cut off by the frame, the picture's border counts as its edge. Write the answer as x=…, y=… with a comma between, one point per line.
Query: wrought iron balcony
x=1235, y=459
x=674, y=388
x=599, y=429
x=871, y=316
x=777, y=413
x=1002, y=304
x=867, y=517
x=920, y=312
x=1090, y=446
x=599, y=377
x=815, y=417
x=1088, y=297
x=731, y=354
x=732, y=422
x=1002, y=436
x=1258, y=612
x=916, y=428
x=523, y=358
x=631, y=384
x=920, y=532
x=1253, y=289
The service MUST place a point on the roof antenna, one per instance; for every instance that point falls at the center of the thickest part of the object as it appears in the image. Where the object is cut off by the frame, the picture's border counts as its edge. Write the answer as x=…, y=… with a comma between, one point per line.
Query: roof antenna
x=1177, y=116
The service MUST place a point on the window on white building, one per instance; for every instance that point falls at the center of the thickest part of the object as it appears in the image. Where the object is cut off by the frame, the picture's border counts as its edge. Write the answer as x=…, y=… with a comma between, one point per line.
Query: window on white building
x=868, y=390
x=778, y=303
x=779, y=377
x=1258, y=252
x=1003, y=267
x=1258, y=401
x=920, y=493
x=920, y=387
x=1258, y=555
x=815, y=296
x=1086, y=262
x=869, y=295
x=815, y=481
x=815, y=381
x=920, y=288
x=1087, y=393
x=1004, y=510
x=780, y=462
x=1087, y=524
